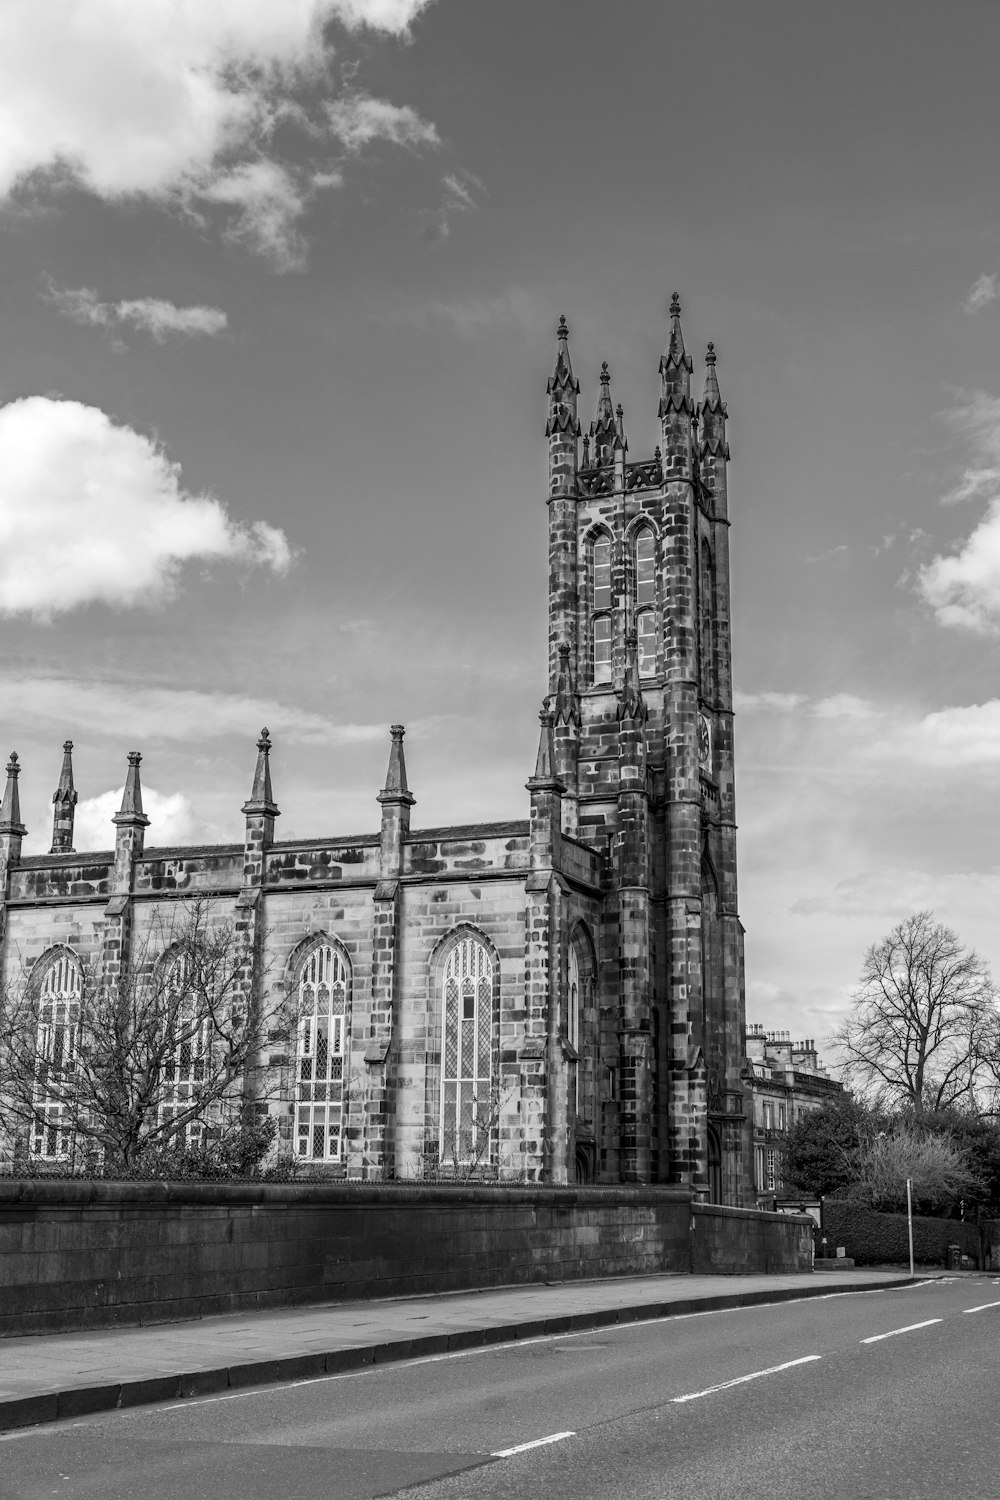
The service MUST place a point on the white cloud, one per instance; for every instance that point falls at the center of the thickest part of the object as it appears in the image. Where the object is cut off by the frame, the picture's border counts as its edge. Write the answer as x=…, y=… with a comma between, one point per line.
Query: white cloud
x=963, y=589
x=460, y=193
x=132, y=711
x=153, y=314
x=172, y=819
x=176, y=100
x=985, y=289
x=358, y=119
x=93, y=511
x=782, y=703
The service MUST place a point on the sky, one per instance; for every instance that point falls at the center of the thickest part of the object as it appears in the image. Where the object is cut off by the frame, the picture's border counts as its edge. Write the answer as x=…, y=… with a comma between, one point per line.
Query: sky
x=278, y=292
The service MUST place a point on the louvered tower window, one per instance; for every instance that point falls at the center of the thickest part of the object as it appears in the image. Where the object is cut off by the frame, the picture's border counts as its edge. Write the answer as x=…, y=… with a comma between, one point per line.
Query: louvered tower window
x=58, y=1020
x=467, y=1053
x=319, y=1080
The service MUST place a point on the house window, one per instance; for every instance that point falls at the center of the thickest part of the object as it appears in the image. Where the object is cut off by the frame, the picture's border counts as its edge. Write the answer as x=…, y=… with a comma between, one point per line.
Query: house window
x=58, y=1020
x=467, y=1112
x=319, y=1073
x=772, y=1171
x=768, y=1115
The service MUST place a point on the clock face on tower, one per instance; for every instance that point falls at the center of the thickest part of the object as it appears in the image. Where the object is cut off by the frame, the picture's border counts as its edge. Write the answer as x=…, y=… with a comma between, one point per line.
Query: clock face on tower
x=704, y=742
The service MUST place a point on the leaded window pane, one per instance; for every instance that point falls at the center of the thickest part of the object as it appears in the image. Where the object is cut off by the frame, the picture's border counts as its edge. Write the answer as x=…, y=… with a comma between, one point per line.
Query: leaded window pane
x=466, y=1052
x=319, y=1097
x=645, y=629
x=602, y=573
x=645, y=568
x=602, y=648
x=55, y=1044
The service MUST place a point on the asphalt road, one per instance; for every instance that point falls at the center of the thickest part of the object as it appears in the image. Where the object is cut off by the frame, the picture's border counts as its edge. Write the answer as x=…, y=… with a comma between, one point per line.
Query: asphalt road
x=806, y=1398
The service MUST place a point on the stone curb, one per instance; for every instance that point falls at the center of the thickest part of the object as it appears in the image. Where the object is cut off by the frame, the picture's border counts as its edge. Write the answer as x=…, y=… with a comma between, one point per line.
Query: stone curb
x=79, y=1401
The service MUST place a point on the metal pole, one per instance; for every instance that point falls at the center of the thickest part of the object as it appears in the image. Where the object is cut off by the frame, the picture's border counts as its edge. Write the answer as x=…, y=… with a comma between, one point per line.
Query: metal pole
x=909, y=1220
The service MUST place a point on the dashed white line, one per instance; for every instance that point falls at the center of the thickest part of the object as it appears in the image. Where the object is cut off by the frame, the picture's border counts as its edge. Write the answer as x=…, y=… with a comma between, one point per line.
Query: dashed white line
x=910, y=1327
x=554, y=1437
x=981, y=1308
x=742, y=1379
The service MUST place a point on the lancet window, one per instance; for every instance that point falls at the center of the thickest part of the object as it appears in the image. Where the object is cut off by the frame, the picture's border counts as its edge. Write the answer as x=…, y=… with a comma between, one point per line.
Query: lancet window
x=468, y=1106
x=319, y=1083
x=190, y=1040
x=601, y=608
x=58, y=1022
x=645, y=600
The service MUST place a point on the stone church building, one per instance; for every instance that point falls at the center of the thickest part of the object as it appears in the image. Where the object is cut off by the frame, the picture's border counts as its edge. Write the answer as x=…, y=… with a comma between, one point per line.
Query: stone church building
x=559, y=998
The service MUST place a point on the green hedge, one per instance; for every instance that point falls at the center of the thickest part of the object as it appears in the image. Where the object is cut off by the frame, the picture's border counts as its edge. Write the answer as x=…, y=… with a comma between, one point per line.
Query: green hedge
x=871, y=1238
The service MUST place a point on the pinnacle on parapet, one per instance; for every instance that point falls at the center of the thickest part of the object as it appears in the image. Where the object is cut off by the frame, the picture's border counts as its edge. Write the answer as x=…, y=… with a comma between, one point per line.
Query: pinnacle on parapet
x=64, y=800
x=562, y=381
x=631, y=704
x=603, y=430
x=261, y=797
x=65, y=791
x=545, y=778
x=396, y=789
x=712, y=410
x=620, y=427
x=10, y=807
x=675, y=366
x=567, y=704
x=130, y=814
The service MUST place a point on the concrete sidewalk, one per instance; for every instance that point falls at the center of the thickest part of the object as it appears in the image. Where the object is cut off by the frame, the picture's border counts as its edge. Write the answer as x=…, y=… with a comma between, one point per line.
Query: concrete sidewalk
x=48, y=1377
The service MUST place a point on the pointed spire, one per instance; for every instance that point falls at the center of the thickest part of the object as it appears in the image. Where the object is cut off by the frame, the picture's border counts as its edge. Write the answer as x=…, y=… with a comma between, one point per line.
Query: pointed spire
x=130, y=814
x=10, y=807
x=567, y=705
x=545, y=778
x=562, y=388
x=396, y=789
x=603, y=429
x=712, y=411
x=64, y=800
x=631, y=704
x=261, y=798
x=675, y=366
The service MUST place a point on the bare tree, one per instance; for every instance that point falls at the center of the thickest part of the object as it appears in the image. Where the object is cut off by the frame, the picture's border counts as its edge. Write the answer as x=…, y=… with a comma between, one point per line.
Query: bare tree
x=934, y=1164
x=116, y=1064
x=920, y=1018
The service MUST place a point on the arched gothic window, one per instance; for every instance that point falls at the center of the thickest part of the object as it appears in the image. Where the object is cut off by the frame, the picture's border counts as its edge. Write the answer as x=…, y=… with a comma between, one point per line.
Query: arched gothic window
x=601, y=608
x=189, y=1040
x=467, y=1066
x=319, y=1072
x=645, y=600
x=573, y=1002
x=58, y=1020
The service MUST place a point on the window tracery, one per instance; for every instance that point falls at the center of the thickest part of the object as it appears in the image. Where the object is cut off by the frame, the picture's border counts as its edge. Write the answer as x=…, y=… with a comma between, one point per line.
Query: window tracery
x=58, y=1021
x=467, y=1064
x=321, y=1045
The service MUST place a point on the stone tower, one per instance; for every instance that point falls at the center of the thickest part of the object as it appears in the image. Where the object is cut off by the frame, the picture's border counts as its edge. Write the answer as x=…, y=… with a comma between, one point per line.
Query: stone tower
x=641, y=686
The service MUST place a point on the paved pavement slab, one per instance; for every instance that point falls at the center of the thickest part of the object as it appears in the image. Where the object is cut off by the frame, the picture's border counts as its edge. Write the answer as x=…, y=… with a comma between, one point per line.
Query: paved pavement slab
x=45, y=1377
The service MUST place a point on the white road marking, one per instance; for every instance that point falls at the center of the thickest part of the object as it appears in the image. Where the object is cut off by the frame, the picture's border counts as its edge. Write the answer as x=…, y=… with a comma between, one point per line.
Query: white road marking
x=908, y=1329
x=555, y=1437
x=981, y=1308
x=742, y=1379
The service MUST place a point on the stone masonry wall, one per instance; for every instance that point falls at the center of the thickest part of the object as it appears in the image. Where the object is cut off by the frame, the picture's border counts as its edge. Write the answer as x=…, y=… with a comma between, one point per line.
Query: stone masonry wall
x=86, y=1255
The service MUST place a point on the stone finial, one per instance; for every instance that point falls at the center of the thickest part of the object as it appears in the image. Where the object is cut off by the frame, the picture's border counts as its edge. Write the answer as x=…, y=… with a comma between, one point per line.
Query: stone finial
x=712, y=413
x=675, y=367
x=631, y=704
x=64, y=800
x=261, y=798
x=545, y=778
x=130, y=814
x=567, y=704
x=562, y=380
x=396, y=789
x=603, y=430
x=10, y=807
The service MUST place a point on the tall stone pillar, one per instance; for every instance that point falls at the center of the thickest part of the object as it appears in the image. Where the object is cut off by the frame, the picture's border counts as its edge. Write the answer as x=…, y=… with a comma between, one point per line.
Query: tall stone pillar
x=542, y=1159
x=260, y=811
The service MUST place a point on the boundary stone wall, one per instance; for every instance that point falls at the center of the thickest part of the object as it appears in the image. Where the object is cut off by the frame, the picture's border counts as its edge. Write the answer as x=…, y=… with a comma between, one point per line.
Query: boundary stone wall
x=77, y=1255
